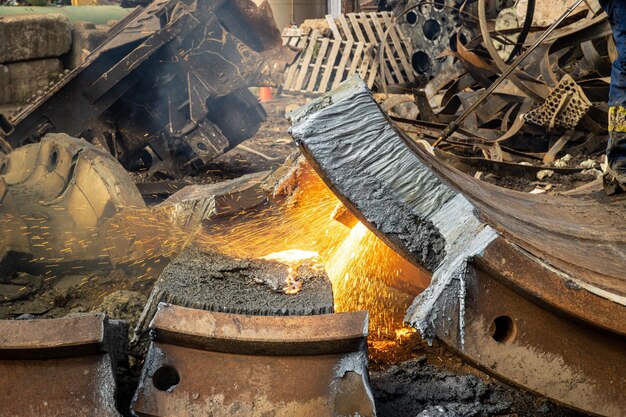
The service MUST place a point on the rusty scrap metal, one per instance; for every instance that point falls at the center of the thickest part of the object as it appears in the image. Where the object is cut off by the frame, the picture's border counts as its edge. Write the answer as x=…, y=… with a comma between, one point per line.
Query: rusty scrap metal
x=60, y=367
x=498, y=130
x=167, y=88
x=565, y=106
x=508, y=71
x=208, y=363
x=529, y=287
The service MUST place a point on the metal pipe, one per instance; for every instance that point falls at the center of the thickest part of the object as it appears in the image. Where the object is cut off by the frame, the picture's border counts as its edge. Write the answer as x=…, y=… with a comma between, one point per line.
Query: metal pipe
x=453, y=126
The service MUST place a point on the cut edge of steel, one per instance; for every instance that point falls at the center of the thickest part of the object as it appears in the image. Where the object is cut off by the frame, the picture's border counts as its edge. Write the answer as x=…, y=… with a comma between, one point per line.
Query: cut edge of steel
x=54, y=367
x=555, y=268
x=238, y=365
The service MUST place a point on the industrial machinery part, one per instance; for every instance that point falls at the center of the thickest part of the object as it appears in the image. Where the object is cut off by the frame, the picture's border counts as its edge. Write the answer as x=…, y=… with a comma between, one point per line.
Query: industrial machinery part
x=202, y=278
x=565, y=106
x=438, y=25
x=58, y=199
x=432, y=27
x=60, y=367
x=208, y=363
x=529, y=287
x=168, y=86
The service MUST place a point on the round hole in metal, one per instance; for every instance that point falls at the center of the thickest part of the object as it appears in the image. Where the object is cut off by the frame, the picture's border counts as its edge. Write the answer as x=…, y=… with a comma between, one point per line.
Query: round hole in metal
x=503, y=329
x=421, y=62
x=165, y=378
x=431, y=29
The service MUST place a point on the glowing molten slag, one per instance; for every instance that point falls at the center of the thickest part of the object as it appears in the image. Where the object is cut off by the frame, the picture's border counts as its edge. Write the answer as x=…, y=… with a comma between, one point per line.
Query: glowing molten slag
x=364, y=271
x=294, y=259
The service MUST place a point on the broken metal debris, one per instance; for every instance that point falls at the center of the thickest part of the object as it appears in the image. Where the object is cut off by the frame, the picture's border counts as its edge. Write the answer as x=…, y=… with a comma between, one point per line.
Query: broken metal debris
x=565, y=106
x=60, y=367
x=67, y=206
x=203, y=362
x=562, y=88
x=167, y=88
x=194, y=204
x=205, y=279
x=486, y=237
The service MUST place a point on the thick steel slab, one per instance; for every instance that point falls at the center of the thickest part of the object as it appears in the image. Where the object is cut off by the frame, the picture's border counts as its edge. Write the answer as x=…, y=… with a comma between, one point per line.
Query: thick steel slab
x=200, y=364
x=63, y=337
x=564, y=255
x=59, y=368
x=274, y=335
x=205, y=279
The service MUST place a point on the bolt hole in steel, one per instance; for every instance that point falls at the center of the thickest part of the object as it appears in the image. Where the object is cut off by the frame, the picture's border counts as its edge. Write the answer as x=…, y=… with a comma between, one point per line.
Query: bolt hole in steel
x=425, y=9
x=421, y=62
x=201, y=146
x=503, y=329
x=165, y=378
x=453, y=41
x=411, y=18
x=54, y=159
x=439, y=4
x=432, y=29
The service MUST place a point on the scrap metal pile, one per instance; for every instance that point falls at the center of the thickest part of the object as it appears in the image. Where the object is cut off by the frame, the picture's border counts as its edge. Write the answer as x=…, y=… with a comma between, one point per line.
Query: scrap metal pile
x=147, y=95
x=230, y=334
x=552, y=105
x=433, y=59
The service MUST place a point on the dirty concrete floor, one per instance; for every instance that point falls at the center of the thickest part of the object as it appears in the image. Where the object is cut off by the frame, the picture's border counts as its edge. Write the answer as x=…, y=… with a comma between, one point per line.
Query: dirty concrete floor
x=408, y=377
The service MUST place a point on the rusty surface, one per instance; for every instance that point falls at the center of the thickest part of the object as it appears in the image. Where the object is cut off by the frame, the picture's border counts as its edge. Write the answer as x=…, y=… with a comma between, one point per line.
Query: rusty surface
x=536, y=347
x=167, y=88
x=208, y=363
x=552, y=264
x=551, y=106
x=61, y=367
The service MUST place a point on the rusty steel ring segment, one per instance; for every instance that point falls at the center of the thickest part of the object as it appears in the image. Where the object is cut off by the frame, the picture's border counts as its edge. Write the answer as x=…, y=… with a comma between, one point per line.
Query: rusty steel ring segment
x=530, y=288
x=60, y=367
x=208, y=363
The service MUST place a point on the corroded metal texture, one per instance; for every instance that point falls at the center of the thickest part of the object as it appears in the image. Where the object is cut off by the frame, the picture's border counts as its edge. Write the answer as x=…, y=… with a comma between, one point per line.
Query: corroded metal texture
x=565, y=106
x=205, y=279
x=168, y=86
x=58, y=198
x=521, y=282
x=207, y=363
x=198, y=203
x=61, y=367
